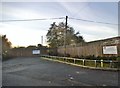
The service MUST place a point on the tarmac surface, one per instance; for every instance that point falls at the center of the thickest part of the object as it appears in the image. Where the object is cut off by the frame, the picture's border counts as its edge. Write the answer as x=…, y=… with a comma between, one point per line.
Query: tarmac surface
x=0, y=72
x=35, y=71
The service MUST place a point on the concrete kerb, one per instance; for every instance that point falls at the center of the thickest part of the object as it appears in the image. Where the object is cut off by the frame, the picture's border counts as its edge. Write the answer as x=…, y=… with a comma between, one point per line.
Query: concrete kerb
x=88, y=67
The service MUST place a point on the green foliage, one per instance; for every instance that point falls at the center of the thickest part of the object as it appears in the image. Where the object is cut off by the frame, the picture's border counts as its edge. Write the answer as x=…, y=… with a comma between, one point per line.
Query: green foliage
x=57, y=34
x=6, y=46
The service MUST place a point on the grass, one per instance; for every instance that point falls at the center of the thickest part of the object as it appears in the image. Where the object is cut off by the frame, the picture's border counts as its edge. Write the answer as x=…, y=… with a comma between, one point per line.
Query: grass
x=79, y=62
x=70, y=60
x=90, y=63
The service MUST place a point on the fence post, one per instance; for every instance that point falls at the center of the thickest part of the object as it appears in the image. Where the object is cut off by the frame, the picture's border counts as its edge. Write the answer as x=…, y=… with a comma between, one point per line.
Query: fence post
x=83, y=62
x=65, y=59
x=95, y=64
x=101, y=63
x=111, y=64
x=74, y=61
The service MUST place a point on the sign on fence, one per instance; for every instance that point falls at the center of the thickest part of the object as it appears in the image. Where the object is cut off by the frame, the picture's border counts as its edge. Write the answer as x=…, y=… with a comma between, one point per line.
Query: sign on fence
x=36, y=52
x=109, y=49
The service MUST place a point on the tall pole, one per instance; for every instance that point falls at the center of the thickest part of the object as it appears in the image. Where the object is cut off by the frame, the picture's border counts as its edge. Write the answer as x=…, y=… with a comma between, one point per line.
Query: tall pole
x=65, y=34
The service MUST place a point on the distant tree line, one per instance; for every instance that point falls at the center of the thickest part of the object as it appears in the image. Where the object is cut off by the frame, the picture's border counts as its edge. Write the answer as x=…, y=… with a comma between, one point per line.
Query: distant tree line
x=32, y=47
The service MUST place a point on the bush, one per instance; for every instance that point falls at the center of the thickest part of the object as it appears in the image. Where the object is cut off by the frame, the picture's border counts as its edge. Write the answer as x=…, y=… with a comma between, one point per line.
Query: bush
x=6, y=57
x=76, y=56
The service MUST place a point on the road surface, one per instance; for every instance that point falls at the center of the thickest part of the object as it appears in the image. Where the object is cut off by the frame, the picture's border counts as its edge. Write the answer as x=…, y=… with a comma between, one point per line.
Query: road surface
x=0, y=72
x=35, y=71
x=0, y=61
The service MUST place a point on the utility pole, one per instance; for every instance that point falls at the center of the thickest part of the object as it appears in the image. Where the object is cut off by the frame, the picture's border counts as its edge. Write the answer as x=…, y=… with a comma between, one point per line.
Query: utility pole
x=65, y=35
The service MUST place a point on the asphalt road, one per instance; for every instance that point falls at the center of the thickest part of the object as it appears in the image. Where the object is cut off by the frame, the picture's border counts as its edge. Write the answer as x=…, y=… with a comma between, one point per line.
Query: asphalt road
x=35, y=71
x=0, y=72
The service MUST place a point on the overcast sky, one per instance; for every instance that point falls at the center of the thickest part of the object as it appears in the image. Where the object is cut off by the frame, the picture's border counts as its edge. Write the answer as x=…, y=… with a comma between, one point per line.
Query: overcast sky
x=24, y=33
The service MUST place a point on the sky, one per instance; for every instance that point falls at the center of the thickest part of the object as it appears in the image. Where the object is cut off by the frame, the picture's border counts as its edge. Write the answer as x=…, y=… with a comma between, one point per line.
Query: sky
x=24, y=33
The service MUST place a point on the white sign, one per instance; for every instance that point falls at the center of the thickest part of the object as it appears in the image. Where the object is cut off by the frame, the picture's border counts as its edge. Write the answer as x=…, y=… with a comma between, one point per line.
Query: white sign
x=109, y=49
x=36, y=52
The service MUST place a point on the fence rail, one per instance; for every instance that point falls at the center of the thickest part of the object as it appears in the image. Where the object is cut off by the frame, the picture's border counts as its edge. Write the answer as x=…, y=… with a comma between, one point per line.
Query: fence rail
x=106, y=64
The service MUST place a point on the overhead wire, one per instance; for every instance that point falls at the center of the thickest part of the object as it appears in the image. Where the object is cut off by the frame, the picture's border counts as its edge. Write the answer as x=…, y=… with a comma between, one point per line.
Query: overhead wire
x=93, y=21
x=88, y=5
x=98, y=15
x=31, y=19
x=59, y=18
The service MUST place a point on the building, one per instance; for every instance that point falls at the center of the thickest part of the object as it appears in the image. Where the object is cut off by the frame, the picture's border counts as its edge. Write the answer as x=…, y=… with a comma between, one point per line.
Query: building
x=103, y=48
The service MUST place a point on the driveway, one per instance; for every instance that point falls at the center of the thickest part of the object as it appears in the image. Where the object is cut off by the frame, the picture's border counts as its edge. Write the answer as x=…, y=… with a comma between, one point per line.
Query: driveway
x=35, y=71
